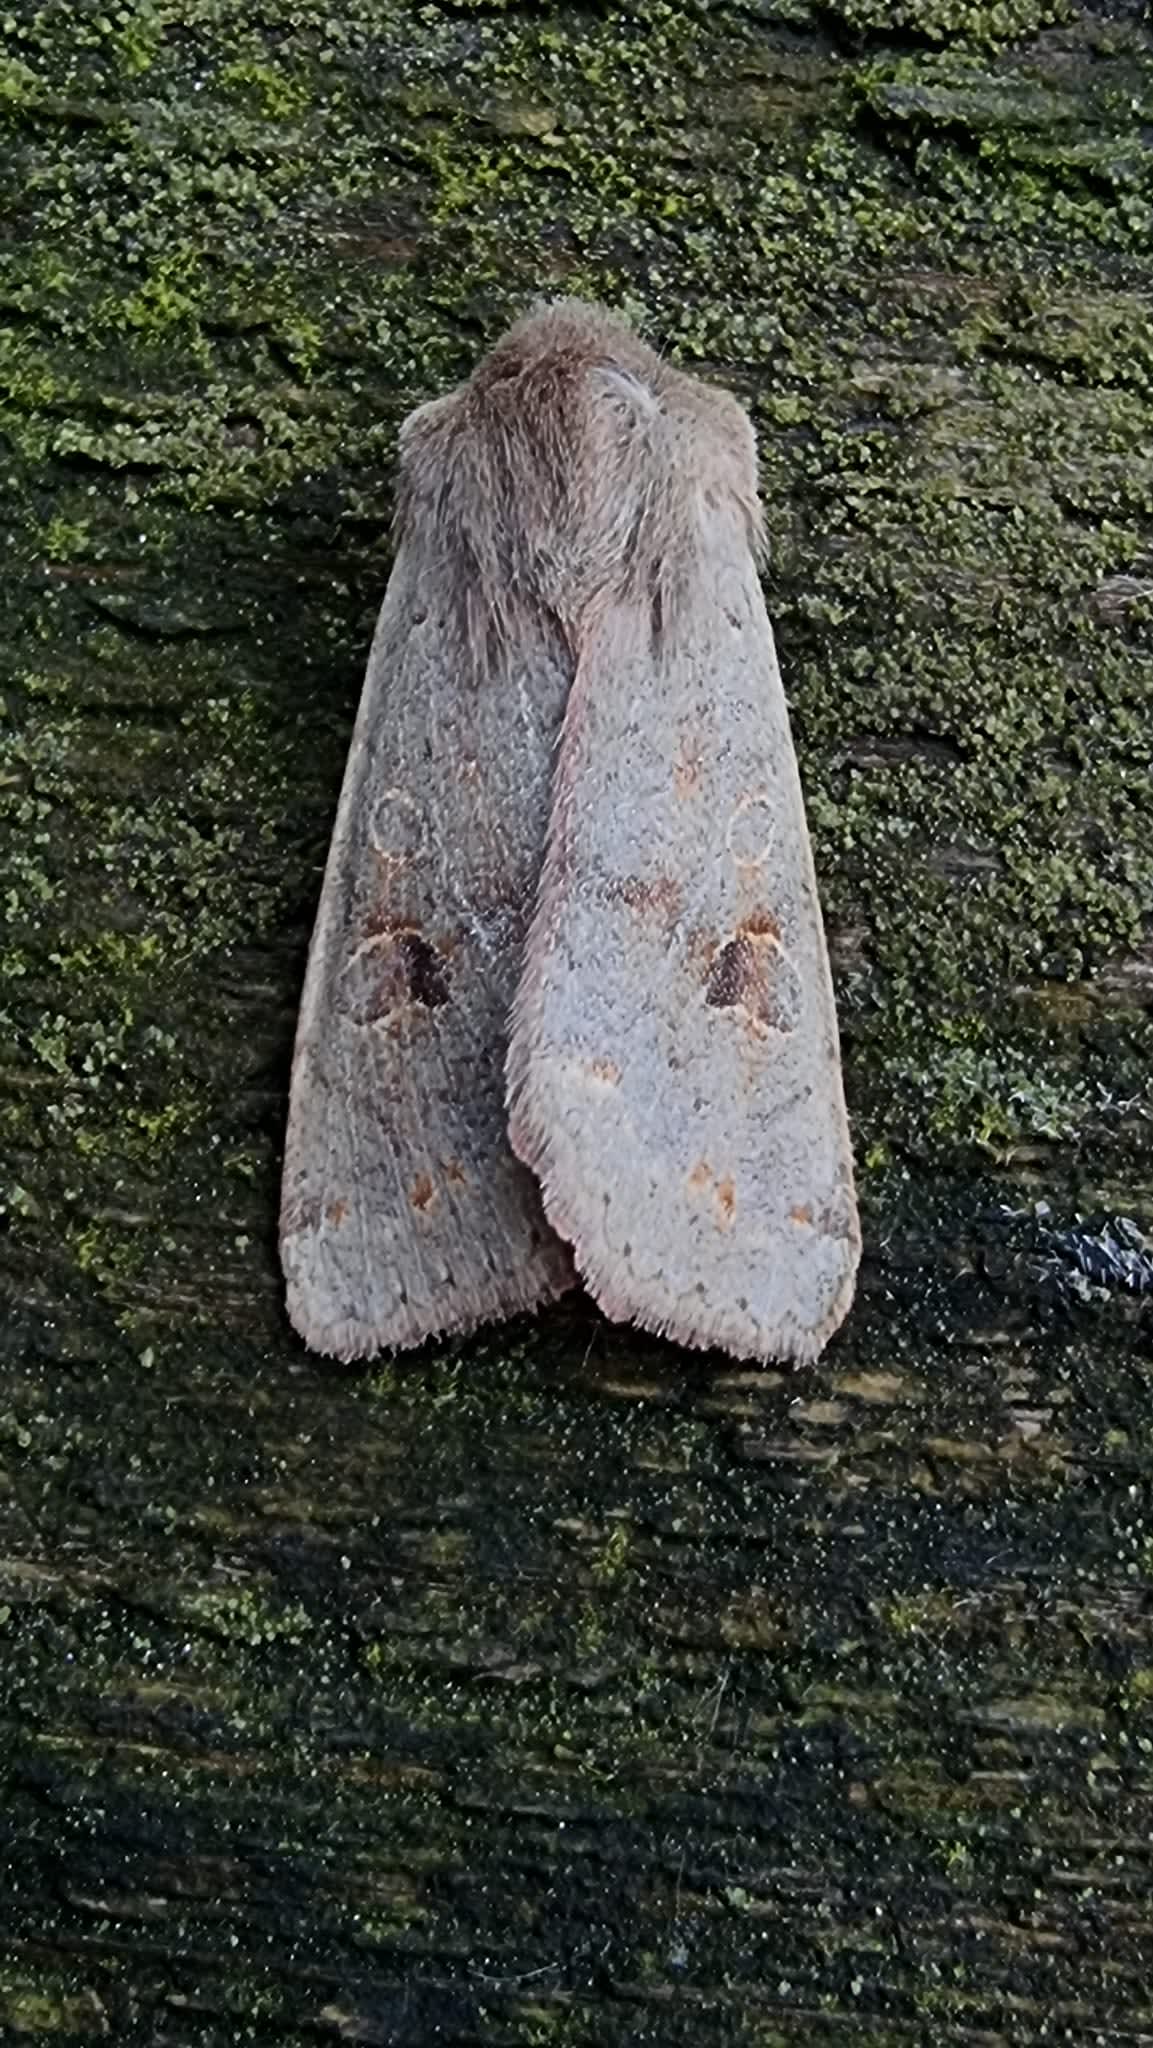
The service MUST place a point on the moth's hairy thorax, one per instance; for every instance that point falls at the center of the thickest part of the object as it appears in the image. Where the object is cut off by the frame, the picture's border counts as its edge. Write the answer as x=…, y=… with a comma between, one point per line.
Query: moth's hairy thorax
x=572, y=472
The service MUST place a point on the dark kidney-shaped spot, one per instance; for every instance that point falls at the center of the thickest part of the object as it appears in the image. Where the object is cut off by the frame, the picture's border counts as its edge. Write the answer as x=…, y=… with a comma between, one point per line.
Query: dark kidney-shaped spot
x=751, y=973
x=427, y=982
x=393, y=971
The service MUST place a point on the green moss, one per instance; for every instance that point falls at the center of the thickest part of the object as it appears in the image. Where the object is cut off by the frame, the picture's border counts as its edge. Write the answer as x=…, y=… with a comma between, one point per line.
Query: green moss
x=32, y=2008
x=612, y=1557
x=246, y=1617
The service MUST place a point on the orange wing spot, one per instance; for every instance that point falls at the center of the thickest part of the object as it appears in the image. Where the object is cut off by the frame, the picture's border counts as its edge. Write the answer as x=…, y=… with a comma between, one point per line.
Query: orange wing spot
x=423, y=1193
x=700, y=1176
x=761, y=925
x=802, y=1213
x=604, y=1070
x=726, y=1201
x=336, y=1212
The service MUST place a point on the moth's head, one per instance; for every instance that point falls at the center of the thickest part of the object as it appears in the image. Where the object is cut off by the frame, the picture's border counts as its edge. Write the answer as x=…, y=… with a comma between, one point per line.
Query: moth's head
x=577, y=331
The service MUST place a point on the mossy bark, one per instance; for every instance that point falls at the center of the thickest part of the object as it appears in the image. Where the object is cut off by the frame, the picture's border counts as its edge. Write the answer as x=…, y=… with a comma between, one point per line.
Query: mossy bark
x=556, y=1687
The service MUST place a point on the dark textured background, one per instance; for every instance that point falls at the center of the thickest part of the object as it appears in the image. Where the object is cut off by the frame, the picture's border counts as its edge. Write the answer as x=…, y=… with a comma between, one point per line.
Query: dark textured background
x=557, y=1688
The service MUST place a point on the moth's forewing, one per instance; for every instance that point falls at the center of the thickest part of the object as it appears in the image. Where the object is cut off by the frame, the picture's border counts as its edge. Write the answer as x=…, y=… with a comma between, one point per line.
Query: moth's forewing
x=674, y=1068
x=404, y=1212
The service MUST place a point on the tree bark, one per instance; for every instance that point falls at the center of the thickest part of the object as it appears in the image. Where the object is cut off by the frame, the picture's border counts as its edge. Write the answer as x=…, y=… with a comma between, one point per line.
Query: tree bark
x=556, y=1687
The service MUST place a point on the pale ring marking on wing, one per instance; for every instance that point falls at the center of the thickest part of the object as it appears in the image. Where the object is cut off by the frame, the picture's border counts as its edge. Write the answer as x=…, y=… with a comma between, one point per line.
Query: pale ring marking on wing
x=751, y=830
x=397, y=826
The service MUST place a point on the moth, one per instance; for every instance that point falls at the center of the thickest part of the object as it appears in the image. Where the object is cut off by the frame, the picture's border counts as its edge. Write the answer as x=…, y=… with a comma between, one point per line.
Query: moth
x=568, y=1008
